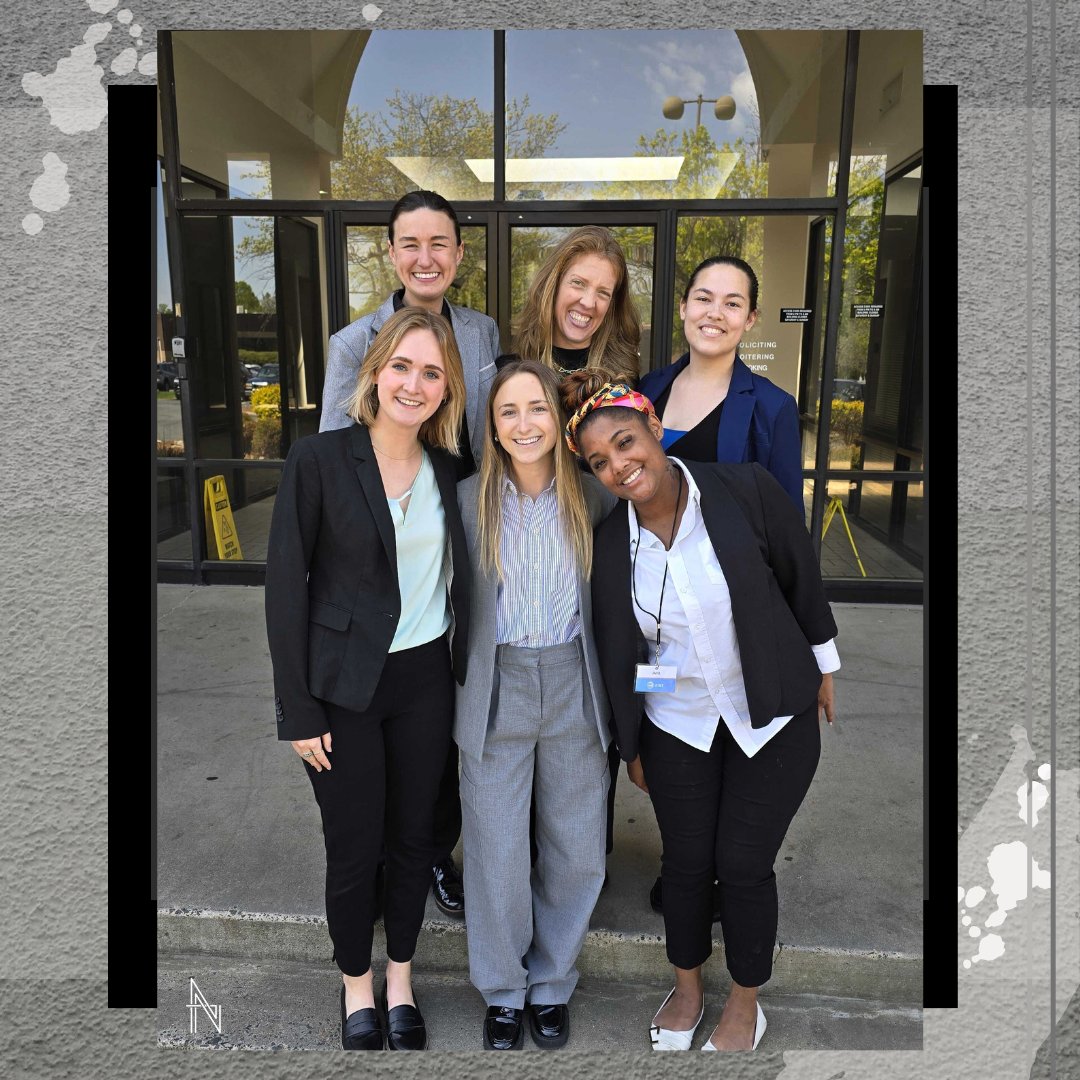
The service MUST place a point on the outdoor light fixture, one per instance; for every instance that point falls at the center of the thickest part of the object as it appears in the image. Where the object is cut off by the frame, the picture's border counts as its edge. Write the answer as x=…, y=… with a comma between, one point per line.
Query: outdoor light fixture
x=724, y=108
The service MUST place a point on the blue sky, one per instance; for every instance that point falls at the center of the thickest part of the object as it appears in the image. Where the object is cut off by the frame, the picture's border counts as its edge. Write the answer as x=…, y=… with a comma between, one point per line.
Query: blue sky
x=606, y=85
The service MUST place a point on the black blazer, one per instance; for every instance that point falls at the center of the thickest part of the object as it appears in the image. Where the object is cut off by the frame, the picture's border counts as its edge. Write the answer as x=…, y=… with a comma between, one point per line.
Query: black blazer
x=777, y=599
x=332, y=598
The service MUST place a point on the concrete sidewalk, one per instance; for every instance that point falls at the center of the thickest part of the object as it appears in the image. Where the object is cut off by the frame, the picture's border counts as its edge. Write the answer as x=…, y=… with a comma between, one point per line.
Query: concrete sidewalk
x=240, y=858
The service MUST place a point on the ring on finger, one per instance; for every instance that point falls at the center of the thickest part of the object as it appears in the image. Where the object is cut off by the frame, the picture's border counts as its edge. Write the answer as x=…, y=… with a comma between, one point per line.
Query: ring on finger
x=310, y=753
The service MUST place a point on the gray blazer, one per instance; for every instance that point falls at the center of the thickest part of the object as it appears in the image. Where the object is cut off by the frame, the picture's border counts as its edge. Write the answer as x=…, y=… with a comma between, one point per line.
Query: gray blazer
x=477, y=339
x=474, y=699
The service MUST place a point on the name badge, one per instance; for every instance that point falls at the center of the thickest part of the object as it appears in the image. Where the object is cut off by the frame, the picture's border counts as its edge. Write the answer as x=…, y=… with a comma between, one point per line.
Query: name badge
x=655, y=679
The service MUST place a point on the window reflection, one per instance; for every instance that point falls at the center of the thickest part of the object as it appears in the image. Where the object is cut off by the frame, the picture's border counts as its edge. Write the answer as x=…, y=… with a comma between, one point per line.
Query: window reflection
x=671, y=114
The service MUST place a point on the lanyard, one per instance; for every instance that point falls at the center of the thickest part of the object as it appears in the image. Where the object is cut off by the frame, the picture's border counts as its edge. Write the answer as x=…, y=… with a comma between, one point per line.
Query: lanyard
x=663, y=582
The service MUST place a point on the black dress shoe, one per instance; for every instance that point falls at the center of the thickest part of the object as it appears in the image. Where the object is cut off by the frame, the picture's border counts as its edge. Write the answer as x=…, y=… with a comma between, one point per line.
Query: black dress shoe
x=549, y=1025
x=656, y=899
x=446, y=888
x=361, y=1030
x=405, y=1028
x=502, y=1028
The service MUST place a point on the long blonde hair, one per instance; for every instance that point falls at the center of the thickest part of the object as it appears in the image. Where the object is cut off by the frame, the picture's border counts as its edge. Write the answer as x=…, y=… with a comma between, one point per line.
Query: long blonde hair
x=439, y=429
x=573, y=513
x=614, y=347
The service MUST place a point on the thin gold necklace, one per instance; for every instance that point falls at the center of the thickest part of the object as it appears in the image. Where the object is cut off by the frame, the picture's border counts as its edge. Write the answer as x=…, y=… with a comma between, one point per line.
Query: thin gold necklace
x=391, y=456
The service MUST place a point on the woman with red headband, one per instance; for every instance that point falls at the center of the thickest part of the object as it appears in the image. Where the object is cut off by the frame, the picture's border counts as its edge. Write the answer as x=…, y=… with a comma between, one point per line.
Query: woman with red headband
x=715, y=644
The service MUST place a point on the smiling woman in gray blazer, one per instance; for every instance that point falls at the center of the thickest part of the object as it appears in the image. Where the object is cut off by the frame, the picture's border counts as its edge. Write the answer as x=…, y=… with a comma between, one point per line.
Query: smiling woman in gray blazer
x=424, y=244
x=532, y=715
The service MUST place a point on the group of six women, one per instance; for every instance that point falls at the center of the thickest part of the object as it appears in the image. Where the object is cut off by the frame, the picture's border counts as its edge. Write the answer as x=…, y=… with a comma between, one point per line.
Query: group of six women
x=496, y=556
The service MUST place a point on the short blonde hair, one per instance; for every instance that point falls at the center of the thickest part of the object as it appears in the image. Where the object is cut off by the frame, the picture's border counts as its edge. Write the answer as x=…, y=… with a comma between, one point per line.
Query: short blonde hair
x=441, y=429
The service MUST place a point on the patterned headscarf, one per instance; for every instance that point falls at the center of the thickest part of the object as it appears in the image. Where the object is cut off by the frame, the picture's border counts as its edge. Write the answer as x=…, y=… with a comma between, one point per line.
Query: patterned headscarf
x=608, y=394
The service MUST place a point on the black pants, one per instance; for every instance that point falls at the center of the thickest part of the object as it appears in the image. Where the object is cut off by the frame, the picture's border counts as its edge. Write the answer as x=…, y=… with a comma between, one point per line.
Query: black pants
x=448, y=806
x=723, y=815
x=386, y=765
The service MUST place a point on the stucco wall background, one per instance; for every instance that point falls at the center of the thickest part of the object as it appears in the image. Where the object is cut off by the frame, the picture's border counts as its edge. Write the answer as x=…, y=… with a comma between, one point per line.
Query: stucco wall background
x=1019, y=548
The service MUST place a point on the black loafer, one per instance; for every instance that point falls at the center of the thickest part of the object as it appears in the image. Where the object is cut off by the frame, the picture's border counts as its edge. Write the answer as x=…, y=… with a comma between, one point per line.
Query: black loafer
x=405, y=1028
x=503, y=1028
x=447, y=889
x=549, y=1025
x=361, y=1030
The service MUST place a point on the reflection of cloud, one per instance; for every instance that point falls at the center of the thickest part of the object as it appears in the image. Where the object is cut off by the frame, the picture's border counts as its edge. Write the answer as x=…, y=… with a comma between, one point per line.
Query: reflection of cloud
x=742, y=90
x=705, y=66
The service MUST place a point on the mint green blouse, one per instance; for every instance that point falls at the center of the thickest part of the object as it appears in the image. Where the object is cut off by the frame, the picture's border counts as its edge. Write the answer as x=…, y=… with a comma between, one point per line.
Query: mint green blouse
x=420, y=534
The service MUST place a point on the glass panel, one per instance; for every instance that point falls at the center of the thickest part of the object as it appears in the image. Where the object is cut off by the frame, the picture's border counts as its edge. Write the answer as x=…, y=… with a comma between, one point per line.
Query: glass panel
x=628, y=116
x=251, y=502
x=372, y=278
x=343, y=114
x=170, y=431
x=885, y=522
x=878, y=389
x=173, y=516
x=779, y=248
x=809, y=395
x=531, y=244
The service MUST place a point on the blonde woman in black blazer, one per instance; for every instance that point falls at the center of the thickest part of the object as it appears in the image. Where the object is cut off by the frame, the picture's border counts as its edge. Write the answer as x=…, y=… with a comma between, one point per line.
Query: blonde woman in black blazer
x=366, y=638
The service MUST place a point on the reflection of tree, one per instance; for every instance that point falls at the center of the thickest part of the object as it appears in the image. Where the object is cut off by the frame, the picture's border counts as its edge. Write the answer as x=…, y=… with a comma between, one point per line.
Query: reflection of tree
x=866, y=200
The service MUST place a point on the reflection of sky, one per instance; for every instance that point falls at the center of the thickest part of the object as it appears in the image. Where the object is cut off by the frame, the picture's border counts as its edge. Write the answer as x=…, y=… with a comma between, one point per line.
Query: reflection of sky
x=607, y=86
x=164, y=290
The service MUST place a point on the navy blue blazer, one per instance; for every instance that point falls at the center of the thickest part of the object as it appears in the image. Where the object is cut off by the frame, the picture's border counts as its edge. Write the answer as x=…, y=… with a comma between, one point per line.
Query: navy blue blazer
x=760, y=422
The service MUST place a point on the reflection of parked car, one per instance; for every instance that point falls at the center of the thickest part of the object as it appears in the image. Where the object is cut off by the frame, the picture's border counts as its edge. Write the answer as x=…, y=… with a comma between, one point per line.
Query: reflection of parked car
x=267, y=375
x=166, y=376
x=848, y=389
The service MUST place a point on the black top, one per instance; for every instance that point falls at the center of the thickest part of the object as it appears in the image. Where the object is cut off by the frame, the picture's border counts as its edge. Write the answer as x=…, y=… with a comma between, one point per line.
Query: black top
x=464, y=462
x=570, y=359
x=697, y=444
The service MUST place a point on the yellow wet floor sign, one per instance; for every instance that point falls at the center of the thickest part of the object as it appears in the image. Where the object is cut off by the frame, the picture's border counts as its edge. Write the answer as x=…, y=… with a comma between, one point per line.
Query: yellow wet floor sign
x=219, y=520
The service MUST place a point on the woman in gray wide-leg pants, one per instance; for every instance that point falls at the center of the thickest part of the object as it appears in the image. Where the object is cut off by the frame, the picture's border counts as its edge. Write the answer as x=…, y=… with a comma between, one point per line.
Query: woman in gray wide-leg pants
x=532, y=717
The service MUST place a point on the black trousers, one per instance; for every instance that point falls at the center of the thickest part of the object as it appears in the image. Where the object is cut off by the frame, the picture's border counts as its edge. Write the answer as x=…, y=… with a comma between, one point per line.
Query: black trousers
x=724, y=815
x=448, y=806
x=386, y=766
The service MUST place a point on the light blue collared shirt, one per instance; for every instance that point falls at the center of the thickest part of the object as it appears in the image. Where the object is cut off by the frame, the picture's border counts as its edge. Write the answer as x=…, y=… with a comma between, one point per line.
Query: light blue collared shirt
x=420, y=535
x=538, y=597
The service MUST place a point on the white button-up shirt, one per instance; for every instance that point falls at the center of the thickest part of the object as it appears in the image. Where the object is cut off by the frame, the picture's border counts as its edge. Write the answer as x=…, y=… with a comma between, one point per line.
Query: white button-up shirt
x=697, y=635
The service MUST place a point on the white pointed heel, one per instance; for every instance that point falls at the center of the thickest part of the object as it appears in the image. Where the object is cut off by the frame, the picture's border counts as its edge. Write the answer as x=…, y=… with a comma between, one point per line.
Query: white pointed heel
x=665, y=1038
x=759, y=1029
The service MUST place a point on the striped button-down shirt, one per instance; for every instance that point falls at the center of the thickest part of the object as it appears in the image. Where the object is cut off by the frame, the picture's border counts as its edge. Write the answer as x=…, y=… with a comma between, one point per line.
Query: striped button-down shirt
x=538, y=597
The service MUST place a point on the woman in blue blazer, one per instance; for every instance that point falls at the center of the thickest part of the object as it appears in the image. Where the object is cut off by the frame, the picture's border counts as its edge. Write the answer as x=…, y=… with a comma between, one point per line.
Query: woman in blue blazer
x=713, y=407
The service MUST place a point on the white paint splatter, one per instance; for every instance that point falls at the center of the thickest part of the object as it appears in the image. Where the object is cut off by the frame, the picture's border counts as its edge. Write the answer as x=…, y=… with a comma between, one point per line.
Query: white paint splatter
x=32, y=224
x=996, y=918
x=50, y=191
x=974, y=931
x=102, y=6
x=73, y=93
x=1044, y=771
x=148, y=64
x=967, y=963
x=959, y=893
x=966, y=920
x=975, y=896
x=370, y=12
x=1038, y=800
x=124, y=16
x=124, y=63
x=135, y=30
x=990, y=948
